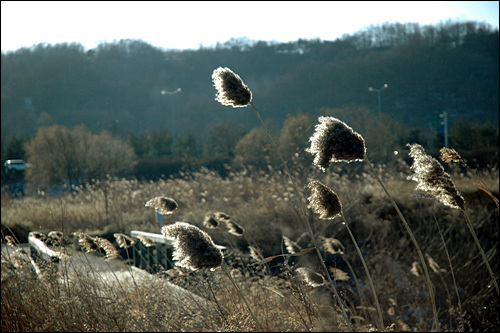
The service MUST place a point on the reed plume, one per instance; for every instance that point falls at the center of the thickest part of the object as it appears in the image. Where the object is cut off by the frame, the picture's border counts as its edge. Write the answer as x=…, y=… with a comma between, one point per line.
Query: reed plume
x=193, y=247
x=255, y=254
x=339, y=274
x=11, y=241
x=432, y=179
x=210, y=222
x=334, y=141
x=221, y=216
x=416, y=269
x=450, y=155
x=291, y=246
x=108, y=247
x=146, y=241
x=332, y=245
x=433, y=264
x=56, y=237
x=231, y=90
x=87, y=243
x=163, y=205
x=234, y=228
x=124, y=241
x=312, y=278
x=323, y=200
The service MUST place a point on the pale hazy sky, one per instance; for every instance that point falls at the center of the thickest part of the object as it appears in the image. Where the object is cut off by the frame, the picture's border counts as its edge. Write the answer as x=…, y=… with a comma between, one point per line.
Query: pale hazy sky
x=185, y=24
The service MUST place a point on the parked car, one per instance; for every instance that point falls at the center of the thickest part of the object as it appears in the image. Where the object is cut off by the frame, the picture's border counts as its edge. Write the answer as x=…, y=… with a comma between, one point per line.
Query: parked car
x=15, y=165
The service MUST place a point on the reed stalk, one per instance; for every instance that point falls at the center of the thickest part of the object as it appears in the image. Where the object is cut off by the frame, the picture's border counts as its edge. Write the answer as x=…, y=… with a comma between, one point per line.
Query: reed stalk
x=414, y=240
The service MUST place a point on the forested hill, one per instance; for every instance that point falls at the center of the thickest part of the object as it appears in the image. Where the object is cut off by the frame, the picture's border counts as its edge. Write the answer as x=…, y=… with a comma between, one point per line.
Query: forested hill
x=130, y=86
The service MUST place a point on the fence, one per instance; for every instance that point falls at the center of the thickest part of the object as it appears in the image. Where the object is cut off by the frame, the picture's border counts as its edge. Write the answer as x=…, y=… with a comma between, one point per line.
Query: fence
x=155, y=257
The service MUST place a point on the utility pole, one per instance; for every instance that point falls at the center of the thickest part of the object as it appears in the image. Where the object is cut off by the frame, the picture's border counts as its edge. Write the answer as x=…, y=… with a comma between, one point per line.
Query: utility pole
x=444, y=115
x=378, y=97
x=172, y=126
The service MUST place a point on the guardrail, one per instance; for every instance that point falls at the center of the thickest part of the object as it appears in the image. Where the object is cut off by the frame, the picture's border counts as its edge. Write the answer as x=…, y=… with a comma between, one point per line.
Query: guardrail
x=153, y=257
x=151, y=252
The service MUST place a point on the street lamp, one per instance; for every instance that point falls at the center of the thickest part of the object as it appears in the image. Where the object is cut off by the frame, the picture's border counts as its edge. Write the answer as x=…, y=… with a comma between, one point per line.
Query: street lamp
x=378, y=94
x=171, y=93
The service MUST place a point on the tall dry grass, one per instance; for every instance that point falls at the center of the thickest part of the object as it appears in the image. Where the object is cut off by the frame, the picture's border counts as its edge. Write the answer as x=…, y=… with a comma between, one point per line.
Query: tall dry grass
x=261, y=203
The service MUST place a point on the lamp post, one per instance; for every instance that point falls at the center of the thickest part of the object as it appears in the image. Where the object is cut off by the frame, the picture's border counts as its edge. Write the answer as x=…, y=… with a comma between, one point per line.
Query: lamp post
x=378, y=95
x=171, y=93
x=444, y=115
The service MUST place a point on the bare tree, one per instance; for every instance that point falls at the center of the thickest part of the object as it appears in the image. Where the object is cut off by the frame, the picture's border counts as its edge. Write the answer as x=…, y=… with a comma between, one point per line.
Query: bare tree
x=57, y=153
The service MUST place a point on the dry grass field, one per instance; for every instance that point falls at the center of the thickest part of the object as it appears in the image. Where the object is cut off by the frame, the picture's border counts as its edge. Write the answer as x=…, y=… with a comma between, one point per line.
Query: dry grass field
x=264, y=204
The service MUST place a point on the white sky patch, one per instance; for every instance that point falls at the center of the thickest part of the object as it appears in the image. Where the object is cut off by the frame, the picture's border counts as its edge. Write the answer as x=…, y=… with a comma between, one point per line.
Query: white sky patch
x=185, y=24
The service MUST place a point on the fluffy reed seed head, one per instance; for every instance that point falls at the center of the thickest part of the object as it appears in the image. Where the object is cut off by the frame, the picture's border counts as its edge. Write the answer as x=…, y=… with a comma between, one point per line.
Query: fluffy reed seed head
x=449, y=155
x=416, y=269
x=164, y=205
x=255, y=254
x=124, y=241
x=193, y=248
x=338, y=274
x=332, y=245
x=433, y=264
x=221, y=216
x=291, y=246
x=210, y=222
x=231, y=90
x=323, y=200
x=432, y=179
x=146, y=241
x=56, y=235
x=87, y=242
x=39, y=235
x=312, y=278
x=10, y=241
x=234, y=228
x=108, y=247
x=334, y=141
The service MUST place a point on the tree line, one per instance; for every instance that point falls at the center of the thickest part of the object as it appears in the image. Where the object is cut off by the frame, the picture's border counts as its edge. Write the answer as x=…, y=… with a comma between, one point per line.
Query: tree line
x=126, y=89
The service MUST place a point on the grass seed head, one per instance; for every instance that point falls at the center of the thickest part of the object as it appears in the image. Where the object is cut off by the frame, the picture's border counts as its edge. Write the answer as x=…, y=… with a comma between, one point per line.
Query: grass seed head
x=108, y=247
x=164, y=205
x=255, y=254
x=10, y=241
x=234, y=228
x=193, y=247
x=323, y=200
x=334, y=141
x=221, y=216
x=231, y=90
x=291, y=246
x=449, y=155
x=338, y=274
x=146, y=241
x=416, y=269
x=312, y=278
x=210, y=222
x=432, y=179
x=87, y=242
x=433, y=264
x=333, y=245
x=124, y=241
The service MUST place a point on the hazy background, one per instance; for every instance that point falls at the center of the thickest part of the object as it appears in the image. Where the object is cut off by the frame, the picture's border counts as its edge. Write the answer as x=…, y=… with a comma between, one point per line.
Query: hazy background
x=142, y=71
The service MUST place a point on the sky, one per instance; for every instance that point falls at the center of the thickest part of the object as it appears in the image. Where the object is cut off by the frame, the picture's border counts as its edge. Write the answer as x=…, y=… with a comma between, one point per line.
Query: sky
x=191, y=24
